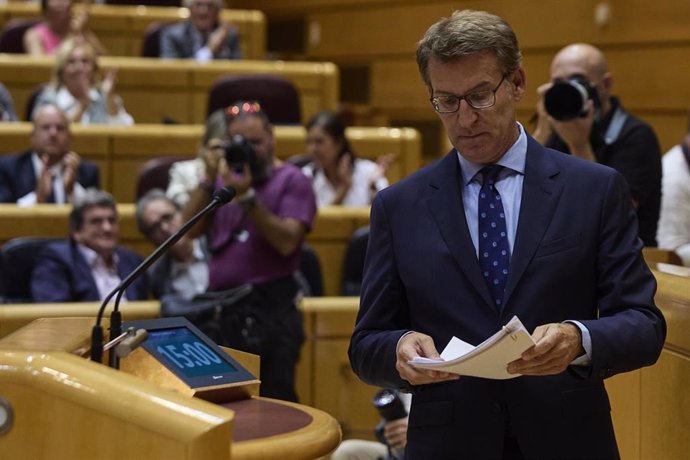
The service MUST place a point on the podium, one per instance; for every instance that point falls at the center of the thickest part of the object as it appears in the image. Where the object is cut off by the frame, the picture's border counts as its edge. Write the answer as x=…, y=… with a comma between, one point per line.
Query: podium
x=56, y=404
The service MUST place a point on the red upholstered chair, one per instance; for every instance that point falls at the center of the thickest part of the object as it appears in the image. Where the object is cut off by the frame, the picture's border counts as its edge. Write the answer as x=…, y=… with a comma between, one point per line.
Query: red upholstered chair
x=277, y=95
x=19, y=257
x=12, y=35
x=31, y=100
x=151, y=44
x=155, y=173
x=145, y=2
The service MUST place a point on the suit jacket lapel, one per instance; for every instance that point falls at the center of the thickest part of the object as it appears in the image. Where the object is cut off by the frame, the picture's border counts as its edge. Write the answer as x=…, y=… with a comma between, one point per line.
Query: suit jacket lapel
x=540, y=194
x=445, y=204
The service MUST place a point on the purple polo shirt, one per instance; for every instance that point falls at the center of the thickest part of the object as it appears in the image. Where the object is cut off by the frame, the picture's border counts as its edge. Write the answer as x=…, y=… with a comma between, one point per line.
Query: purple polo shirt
x=239, y=253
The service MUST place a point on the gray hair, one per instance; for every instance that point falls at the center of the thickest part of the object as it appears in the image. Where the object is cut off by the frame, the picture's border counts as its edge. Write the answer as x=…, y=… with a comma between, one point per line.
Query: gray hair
x=91, y=199
x=151, y=196
x=465, y=33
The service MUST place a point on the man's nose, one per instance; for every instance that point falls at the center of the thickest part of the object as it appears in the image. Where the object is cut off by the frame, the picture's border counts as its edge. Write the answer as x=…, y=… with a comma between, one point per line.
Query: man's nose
x=466, y=114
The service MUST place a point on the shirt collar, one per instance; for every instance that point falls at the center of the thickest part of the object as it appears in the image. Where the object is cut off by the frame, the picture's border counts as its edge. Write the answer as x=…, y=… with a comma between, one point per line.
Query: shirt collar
x=513, y=159
x=38, y=164
x=93, y=259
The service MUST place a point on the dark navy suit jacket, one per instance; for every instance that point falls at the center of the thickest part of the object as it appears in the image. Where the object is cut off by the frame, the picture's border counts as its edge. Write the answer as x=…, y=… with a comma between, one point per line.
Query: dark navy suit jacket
x=62, y=275
x=18, y=178
x=576, y=257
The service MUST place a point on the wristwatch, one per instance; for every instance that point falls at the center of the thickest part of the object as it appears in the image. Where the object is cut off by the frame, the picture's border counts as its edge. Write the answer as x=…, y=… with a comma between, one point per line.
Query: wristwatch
x=247, y=200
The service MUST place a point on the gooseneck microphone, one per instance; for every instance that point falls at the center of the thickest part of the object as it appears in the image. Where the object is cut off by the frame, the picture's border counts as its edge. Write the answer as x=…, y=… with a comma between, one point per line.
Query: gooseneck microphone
x=220, y=197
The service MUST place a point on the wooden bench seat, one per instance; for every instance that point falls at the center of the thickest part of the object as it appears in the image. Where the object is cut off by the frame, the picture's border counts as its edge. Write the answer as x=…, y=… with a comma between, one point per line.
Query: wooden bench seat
x=121, y=28
x=121, y=151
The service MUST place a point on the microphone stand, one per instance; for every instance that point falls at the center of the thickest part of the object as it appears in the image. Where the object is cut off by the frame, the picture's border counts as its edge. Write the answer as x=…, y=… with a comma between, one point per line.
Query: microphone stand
x=220, y=197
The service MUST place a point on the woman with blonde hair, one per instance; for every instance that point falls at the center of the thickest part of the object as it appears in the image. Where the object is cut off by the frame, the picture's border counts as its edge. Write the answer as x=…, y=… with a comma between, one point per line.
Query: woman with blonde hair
x=79, y=91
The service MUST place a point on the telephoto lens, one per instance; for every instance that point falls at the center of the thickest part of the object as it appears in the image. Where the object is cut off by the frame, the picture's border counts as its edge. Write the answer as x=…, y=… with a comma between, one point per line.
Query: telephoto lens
x=389, y=405
x=566, y=100
x=238, y=152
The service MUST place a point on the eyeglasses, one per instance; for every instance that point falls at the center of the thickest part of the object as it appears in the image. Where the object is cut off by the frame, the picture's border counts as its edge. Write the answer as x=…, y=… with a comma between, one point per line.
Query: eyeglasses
x=156, y=226
x=242, y=107
x=477, y=100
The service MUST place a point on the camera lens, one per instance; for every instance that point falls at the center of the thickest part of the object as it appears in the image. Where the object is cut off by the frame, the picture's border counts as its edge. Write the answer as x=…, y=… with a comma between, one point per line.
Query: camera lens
x=566, y=100
x=389, y=405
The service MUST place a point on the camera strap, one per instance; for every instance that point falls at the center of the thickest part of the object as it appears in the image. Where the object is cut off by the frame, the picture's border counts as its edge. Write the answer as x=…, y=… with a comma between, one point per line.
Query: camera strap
x=615, y=126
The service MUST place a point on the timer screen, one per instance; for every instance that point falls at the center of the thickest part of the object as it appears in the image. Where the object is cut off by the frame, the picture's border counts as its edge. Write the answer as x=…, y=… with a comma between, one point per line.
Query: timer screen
x=184, y=351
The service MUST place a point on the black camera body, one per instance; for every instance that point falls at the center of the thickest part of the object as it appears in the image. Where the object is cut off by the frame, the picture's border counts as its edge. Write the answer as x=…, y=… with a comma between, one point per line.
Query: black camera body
x=238, y=152
x=567, y=99
x=389, y=405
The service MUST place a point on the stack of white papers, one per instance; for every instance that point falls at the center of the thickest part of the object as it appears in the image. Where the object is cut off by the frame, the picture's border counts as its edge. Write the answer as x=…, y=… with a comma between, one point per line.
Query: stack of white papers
x=489, y=359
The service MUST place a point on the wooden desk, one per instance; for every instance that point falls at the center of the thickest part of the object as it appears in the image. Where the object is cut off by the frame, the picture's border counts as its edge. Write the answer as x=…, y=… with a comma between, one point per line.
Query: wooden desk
x=651, y=405
x=120, y=152
x=324, y=377
x=121, y=27
x=16, y=316
x=63, y=396
x=176, y=88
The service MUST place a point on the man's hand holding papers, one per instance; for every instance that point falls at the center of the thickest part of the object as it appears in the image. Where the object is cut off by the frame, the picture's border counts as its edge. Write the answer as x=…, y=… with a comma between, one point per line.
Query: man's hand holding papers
x=489, y=359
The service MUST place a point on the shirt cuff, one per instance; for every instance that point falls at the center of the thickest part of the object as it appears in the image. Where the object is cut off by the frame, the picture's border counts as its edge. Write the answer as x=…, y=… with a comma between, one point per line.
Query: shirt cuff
x=401, y=337
x=586, y=359
x=27, y=200
x=203, y=54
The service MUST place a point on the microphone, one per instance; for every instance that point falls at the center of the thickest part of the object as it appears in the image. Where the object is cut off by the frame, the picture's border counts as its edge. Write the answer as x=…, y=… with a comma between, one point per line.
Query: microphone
x=220, y=197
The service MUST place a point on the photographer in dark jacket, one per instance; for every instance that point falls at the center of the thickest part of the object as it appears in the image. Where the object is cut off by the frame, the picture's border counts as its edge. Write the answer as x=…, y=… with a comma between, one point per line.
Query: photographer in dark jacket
x=603, y=132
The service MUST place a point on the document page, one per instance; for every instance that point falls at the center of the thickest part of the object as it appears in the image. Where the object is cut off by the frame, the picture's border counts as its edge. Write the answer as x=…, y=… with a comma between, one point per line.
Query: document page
x=489, y=359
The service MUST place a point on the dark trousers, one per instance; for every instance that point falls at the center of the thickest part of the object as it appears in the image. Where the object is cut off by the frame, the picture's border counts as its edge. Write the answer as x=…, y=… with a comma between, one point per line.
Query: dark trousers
x=269, y=324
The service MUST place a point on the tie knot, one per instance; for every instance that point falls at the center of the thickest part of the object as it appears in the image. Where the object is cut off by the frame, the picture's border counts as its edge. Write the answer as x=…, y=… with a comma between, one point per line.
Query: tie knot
x=490, y=173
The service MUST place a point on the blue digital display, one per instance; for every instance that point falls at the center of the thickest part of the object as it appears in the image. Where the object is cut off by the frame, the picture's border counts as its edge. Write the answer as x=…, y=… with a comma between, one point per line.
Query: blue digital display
x=189, y=354
x=186, y=352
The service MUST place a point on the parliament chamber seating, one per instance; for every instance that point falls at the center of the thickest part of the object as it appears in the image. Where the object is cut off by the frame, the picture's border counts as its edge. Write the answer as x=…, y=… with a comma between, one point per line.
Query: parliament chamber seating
x=121, y=151
x=122, y=28
x=12, y=35
x=278, y=97
x=154, y=90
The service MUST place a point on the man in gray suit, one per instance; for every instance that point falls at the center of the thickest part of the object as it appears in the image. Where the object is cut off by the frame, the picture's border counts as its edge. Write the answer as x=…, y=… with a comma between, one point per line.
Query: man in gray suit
x=203, y=36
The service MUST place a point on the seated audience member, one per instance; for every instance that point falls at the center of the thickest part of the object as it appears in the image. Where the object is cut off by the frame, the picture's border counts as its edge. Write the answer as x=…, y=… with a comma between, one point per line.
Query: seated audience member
x=338, y=177
x=50, y=172
x=674, y=222
x=77, y=88
x=185, y=175
x=606, y=133
x=90, y=263
x=256, y=240
x=62, y=19
x=203, y=36
x=7, y=112
x=392, y=436
x=183, y=270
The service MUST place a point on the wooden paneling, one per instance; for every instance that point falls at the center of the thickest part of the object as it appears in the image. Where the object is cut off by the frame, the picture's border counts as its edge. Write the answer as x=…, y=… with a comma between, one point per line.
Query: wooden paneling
x=121, y=27
x=647, y=44
x=176, y=88
x=121, y=151
x=650, y=405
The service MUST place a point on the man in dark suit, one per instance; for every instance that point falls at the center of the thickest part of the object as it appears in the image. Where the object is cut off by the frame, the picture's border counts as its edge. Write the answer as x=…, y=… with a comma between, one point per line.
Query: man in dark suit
x=50, y=172
x=500, y=227
x=203, y=36
x=90, y=263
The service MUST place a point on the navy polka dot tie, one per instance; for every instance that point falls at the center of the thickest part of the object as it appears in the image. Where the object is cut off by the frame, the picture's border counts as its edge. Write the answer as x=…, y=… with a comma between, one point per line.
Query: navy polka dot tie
x=494, y=255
